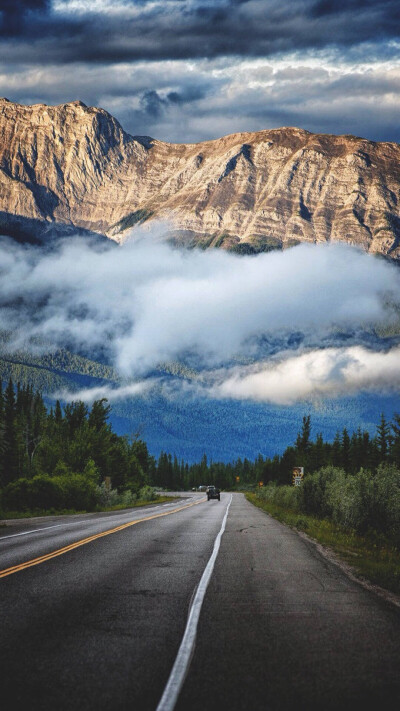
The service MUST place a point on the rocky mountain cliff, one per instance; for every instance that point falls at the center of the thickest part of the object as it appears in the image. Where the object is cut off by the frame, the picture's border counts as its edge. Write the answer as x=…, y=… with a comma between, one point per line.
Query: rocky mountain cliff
x=70, y=167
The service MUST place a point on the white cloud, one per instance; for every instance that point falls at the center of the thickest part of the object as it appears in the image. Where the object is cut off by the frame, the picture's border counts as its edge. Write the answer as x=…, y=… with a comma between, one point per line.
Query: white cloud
x=112, y=394
x=317, y=374
x=146, y=303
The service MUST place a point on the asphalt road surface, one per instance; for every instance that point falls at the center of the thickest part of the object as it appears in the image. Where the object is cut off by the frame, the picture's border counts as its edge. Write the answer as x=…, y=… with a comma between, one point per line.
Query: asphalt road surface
x=98, y=625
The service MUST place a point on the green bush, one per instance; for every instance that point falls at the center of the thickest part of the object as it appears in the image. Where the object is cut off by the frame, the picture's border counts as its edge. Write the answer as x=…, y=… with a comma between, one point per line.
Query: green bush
x=43, y=492
x=363, y=502
x=314, y=491
x=15, y=496
x=147, y=493
x=285, y=496
x=107, y=497
x=79, y=492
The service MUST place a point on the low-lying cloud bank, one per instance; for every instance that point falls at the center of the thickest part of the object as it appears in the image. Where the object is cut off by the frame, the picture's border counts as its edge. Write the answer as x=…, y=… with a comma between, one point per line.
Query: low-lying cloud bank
x=146, y=303
x=109, y=392
x=310, y=376
x=315, y=375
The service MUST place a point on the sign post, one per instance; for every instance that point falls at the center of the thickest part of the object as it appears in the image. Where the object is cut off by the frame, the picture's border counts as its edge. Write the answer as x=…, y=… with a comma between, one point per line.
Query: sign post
x=298, y=474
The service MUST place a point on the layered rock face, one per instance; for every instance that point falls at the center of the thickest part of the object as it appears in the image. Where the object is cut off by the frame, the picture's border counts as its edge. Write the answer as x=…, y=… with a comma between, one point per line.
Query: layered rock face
x=72, y=166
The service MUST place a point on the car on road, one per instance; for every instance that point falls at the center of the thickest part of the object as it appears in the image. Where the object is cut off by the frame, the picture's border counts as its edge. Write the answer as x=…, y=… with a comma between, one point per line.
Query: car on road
x=213, y=493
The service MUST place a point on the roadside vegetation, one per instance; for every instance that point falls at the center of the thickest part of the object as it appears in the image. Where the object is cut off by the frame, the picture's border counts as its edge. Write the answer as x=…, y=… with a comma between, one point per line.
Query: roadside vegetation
x=67, y=459
x=370, y=554
x=351, y=503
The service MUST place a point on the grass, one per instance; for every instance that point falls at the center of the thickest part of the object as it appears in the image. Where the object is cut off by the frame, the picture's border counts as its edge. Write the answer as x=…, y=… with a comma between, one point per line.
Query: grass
x=370, y=556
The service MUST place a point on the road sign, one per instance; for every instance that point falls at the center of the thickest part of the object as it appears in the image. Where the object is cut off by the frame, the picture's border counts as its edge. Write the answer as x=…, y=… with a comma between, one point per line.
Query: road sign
x=298, y=474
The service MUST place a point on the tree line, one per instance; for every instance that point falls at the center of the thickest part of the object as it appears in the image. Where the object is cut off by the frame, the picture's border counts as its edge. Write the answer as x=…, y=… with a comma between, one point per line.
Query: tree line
x=60, y=457
x=69, y=457
x=350, y=452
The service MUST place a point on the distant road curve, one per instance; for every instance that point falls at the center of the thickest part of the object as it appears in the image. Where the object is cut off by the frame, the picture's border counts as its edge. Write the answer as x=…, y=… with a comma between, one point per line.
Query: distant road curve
x=99, y=625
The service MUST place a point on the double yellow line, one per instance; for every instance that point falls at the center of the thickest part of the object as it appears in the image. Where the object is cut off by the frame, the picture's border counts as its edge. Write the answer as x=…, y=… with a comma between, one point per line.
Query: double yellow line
x=42, y=559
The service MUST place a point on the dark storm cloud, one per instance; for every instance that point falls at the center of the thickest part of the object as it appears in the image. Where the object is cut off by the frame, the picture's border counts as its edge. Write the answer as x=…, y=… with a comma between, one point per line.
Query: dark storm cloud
x=178, y=30
x=14, y=14
x=153, y=105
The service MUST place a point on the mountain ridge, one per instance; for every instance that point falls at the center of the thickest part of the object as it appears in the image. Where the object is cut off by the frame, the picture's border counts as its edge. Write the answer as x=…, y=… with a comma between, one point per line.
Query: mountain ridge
x=73, y=168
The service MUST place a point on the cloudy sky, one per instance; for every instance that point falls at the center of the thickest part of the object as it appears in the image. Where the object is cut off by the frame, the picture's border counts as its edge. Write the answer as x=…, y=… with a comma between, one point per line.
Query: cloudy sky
x=187, y=70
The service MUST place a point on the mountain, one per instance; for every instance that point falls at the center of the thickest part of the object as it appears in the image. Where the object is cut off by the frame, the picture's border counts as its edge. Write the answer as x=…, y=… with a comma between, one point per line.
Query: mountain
x=72, y=168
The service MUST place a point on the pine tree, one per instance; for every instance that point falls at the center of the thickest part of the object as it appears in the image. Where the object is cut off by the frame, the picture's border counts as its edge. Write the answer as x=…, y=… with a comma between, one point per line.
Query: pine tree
x=99, y=414
x=303, y=438
x=395, y=445
x=2, y=443
x=383, y=438
x=345, y=451
x=10, y=456
x=336, y=451
x=58, y=417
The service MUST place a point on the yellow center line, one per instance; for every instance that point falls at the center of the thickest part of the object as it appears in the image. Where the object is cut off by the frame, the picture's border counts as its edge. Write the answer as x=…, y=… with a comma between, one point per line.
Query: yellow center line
x=42, y=559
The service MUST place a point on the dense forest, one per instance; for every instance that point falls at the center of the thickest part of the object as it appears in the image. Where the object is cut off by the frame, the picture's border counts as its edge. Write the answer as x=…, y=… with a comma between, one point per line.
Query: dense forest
x=351, y=452
x=68, y=457
x=65, y=458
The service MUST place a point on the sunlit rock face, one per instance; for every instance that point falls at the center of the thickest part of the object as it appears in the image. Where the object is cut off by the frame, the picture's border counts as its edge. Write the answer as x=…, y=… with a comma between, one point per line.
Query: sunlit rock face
x=73, y=166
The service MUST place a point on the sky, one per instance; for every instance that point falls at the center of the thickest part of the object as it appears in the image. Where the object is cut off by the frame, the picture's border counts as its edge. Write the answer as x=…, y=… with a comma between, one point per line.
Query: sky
x=281, y=328
x=190, y=70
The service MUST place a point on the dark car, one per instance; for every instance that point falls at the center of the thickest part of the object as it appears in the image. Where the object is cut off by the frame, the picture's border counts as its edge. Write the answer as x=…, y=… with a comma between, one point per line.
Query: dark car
x=213, y=493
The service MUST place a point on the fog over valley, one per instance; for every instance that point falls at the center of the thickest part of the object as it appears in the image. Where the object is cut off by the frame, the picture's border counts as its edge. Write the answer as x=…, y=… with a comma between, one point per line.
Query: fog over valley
x=281, y=327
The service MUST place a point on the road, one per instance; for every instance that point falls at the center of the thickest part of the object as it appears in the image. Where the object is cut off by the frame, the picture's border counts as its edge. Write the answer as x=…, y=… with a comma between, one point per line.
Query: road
x=99, y=625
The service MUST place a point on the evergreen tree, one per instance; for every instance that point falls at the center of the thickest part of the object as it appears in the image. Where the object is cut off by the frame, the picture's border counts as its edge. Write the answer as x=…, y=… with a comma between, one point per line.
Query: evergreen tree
x=99, y=414
x=336, y=452
x=10, y=456
x=303, y=438
x=75, y=415
x=2, y=443
x=345, y=451
x=58, y=416
x=383, y=438
x=395, y=444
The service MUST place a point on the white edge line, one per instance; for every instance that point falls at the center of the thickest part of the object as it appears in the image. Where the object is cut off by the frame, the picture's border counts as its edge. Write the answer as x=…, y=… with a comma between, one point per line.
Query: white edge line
x=76, y=523
x=182, y=661
x=36, y=530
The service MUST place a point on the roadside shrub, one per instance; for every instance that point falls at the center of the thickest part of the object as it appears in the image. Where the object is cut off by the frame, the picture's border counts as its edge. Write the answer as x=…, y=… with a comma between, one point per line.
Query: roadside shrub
x=15, y=496
x=78, y=492
x=343, y=497
x=45, y=492
x=383, y=501
x=105, y=496
x=147, y=493
x=364, y=501
x=127, y=498
x=314, y=491
x=285, y=496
